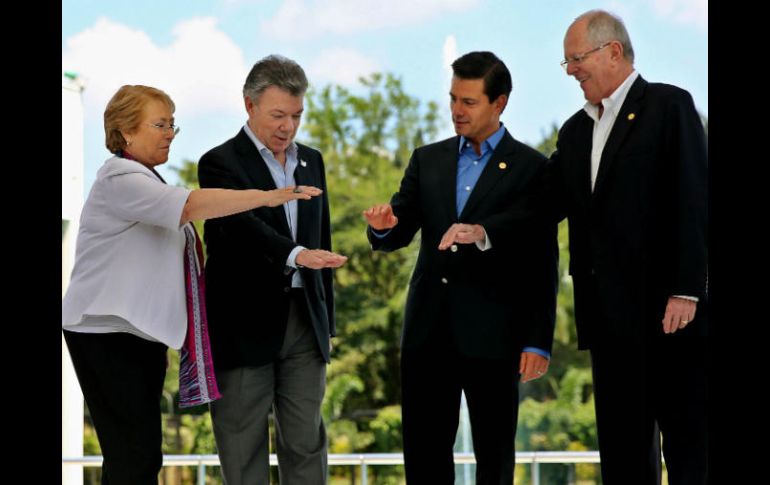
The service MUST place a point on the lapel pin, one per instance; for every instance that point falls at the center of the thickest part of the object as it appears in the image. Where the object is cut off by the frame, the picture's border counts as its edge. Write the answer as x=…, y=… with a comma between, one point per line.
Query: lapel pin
x=303, y=163
x=502, y=165
x=631, y=116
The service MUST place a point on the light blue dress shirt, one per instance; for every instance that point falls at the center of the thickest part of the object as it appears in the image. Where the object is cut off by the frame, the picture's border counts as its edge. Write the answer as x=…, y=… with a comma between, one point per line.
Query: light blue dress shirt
x=283, y=176
x=470, y=165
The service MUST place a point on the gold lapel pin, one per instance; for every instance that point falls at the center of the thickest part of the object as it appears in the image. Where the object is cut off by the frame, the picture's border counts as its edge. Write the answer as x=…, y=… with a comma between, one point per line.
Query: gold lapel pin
x=631, y=116
x=502, y=165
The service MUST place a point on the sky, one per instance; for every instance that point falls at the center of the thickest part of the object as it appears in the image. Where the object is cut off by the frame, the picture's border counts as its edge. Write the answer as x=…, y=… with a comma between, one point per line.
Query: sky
x=199, y=52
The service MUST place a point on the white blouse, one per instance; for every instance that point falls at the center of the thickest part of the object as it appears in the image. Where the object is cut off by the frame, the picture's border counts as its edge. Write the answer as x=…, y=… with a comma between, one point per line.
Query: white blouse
x=129, y=261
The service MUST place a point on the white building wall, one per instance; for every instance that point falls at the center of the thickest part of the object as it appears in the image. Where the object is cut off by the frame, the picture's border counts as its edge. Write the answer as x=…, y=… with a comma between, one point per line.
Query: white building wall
x=71, y=204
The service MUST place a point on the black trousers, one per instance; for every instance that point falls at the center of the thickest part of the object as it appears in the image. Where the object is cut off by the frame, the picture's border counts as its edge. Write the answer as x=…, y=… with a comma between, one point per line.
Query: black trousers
x=645, y=390
x=122, y=376
x=432, y=380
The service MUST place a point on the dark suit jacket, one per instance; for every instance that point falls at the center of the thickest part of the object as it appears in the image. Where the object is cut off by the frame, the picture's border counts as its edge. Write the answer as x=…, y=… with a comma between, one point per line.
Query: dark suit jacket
x=247, y=280
x=640, y=237
x=497, y=301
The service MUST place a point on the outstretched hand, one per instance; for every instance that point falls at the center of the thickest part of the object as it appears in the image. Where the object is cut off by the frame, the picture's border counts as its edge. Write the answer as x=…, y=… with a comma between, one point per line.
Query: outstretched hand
x=319, y=259
x=278, y=197
x=463, y=234
x=381, y=217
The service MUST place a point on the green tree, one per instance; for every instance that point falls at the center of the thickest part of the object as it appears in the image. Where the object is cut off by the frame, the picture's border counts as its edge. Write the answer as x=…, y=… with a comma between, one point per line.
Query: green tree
x=366, y=139
x=565, y=355
x=557, y=412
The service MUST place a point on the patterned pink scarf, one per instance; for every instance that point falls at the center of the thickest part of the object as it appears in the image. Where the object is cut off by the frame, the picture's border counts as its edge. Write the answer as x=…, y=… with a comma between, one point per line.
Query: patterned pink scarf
x=197, y=382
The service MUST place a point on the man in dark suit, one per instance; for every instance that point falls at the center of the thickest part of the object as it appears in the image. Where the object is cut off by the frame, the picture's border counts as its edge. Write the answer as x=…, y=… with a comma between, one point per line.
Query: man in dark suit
x=481, y=303
x=630, y=173
x=269, y=298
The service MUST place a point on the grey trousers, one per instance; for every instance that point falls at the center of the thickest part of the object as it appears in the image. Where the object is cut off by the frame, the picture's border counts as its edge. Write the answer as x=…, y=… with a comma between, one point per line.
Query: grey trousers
x=293, y=384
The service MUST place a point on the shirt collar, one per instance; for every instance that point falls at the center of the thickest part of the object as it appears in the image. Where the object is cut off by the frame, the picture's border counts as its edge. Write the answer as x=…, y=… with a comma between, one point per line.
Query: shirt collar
x=616, y=99
x=292, y=150
x=488, y=144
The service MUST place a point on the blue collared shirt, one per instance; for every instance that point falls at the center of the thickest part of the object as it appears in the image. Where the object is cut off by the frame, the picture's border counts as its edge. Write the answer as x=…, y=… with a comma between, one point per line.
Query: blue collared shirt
x=470, y=165
x=283, y=176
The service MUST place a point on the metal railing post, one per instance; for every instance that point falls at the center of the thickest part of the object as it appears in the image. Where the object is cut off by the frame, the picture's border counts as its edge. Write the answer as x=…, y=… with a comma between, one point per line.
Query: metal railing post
x=364, y=473
x=535, y=472
x=201, y=472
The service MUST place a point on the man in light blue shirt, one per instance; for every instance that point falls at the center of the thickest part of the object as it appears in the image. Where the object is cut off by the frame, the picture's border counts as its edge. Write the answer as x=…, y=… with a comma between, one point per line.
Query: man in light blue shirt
x=270, y=299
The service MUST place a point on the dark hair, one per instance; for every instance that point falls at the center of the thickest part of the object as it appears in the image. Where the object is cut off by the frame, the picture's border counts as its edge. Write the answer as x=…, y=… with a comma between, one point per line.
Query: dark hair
x=485, y=65
x=278, y=71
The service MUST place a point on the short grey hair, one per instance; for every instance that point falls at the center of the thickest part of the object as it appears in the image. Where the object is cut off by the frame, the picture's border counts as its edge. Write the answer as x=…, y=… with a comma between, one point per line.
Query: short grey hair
x=278, y=71
x=605, y=27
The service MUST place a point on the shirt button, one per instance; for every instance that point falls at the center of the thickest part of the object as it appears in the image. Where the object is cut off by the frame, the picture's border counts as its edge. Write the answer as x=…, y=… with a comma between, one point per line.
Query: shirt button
x=286, y=289
x=475, y=162
x=467, y=188
x=453, y=248
x=444, y=280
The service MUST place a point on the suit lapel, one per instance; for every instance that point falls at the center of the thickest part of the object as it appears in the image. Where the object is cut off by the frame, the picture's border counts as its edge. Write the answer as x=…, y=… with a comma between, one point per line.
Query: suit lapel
x=623, y=124
x=583, y=164
x=256, y=168
x=303, y=175
x=447, y=174
x=500, y=165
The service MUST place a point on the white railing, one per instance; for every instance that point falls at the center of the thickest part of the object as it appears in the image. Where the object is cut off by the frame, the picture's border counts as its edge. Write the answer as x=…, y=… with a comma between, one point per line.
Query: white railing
x=364, y=460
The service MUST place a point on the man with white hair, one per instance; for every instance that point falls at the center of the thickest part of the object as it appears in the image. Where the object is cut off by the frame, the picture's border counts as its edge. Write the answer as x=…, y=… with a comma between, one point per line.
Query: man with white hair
x=630, y=173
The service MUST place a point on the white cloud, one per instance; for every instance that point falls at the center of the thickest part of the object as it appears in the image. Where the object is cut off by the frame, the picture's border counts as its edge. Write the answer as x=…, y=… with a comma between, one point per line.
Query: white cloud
x=690, y=12
x=340, y=65
x=202, y=69
x=448, y=54
x=303, y=19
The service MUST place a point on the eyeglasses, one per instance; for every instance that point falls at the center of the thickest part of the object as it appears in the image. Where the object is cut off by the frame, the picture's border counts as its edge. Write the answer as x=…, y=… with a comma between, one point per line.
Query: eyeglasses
x=581, y=57
x=165, y=127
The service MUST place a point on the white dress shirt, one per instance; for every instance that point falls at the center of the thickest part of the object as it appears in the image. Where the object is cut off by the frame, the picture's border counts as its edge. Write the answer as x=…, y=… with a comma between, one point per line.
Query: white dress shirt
x=603, y=126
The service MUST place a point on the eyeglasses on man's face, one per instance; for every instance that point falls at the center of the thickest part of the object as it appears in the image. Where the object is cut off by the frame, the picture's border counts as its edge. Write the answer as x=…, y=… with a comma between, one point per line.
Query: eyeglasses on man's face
x=165, y=127
x=581, y=57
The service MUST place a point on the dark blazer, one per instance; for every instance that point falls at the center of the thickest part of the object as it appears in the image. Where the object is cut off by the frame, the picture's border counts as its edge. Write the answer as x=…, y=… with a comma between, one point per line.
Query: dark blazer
x=499, y=300
x=641, y=236
x=247, y=280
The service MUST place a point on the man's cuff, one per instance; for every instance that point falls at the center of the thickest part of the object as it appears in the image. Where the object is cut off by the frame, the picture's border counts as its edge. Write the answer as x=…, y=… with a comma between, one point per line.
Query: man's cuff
x=379, y=234
x=291, y=261
x=691, y=298
x=537, y=351
x=487, y=245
